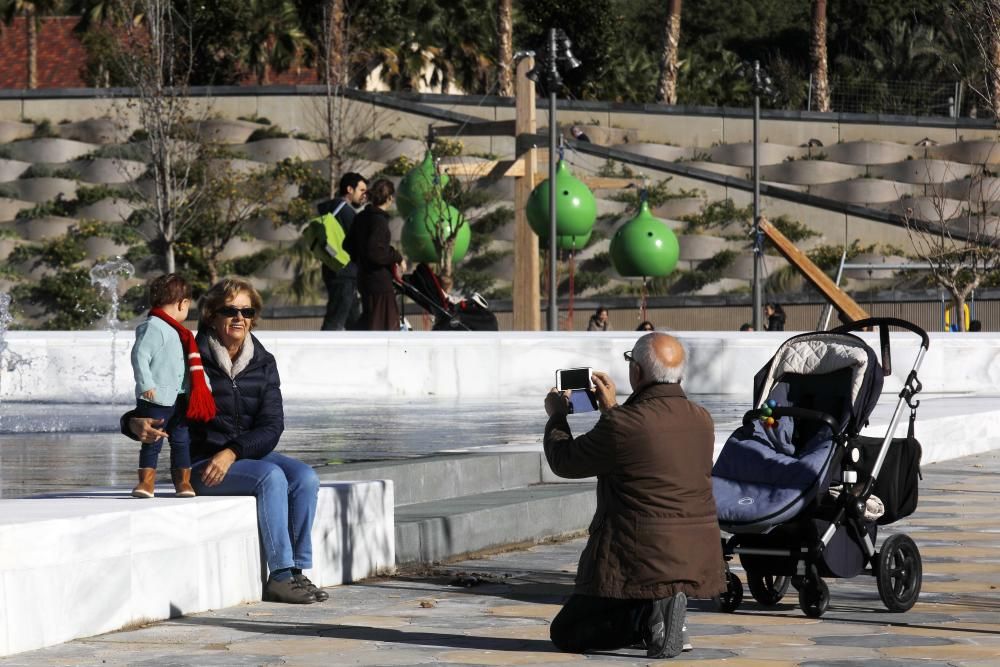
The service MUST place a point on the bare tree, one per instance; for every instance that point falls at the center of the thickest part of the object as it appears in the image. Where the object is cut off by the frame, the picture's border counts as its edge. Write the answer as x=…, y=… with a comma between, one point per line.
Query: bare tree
x=982, y=19
x=156, y=60
x=817, y=54
x=958, y=237
x=505, y=46
x=666, y=90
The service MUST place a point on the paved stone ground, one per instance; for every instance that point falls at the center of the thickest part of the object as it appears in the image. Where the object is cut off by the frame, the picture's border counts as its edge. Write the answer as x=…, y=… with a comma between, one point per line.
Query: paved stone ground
x=495, y=610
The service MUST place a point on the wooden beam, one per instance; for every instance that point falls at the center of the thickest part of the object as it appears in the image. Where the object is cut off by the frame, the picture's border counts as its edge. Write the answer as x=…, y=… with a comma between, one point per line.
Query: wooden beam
x=527, y=293
x=596, y=182
x=844, y=304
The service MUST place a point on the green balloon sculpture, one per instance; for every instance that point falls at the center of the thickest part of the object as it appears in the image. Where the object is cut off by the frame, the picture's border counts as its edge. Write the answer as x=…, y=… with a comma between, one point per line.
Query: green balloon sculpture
x=418, y=232
x=417, y=188
x=576, y=210
x=644, y=246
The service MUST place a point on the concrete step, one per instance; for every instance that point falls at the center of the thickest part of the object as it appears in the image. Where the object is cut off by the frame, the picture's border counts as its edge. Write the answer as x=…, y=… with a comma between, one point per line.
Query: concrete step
x=433, y=478
x=441, y=529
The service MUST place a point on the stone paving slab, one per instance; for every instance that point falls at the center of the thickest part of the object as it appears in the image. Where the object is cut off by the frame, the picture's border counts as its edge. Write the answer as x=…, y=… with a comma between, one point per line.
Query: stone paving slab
x=495, y=610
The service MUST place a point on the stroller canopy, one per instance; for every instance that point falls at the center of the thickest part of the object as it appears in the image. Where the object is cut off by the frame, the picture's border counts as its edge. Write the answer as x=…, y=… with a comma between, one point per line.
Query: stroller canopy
x=822, y=354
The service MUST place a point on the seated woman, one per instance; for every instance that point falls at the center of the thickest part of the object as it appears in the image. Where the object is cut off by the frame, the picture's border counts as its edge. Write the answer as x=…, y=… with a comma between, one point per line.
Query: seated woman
x=233, y=454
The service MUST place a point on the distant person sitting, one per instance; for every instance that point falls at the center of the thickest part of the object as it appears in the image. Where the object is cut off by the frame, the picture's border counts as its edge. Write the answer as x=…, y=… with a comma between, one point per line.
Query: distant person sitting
x=645, y=325
x=343, y=306
x=775, y=315
x=975, y=326
x=579, y=134
x=746, y=326
x=599, y=320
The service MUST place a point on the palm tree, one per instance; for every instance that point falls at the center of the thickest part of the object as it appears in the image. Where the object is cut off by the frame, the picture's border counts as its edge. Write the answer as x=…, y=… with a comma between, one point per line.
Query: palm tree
x=505, y=48
x=274, y=37
x=817, y=53
x=666, y=91
x=32, y=10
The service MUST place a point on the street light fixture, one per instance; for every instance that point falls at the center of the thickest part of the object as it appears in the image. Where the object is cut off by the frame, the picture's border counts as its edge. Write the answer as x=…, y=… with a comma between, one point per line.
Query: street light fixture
x=547, y=73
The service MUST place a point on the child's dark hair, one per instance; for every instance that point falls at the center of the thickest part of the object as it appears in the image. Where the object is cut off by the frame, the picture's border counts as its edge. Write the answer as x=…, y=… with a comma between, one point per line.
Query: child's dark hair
x=168, y=288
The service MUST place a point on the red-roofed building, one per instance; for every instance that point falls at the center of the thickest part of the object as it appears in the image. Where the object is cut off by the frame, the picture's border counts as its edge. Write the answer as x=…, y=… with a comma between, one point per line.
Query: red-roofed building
x=61, y=56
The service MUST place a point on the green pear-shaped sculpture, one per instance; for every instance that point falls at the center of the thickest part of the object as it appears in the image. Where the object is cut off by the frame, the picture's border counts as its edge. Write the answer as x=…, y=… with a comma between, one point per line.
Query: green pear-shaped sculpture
x=576, y=209
x=417, y=188
x=418, y=232
x=644, y=246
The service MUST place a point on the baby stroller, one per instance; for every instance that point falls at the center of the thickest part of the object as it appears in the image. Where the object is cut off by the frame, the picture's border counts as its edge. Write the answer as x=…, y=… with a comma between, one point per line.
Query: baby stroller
x=801, y=492
x=424, y=288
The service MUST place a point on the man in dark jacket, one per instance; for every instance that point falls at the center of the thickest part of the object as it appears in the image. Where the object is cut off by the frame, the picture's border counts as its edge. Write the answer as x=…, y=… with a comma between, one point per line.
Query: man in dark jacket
x=654, y=539
x=343, y=307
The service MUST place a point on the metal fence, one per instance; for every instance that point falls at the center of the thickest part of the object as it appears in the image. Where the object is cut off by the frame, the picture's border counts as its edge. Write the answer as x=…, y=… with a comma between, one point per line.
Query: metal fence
x=907, y=98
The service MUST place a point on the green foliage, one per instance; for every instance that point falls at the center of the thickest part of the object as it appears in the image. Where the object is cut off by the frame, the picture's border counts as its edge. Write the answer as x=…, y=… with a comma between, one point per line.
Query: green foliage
x=67, y=297
x=312, y=185
x=57, y=207
x=134, y=152
x=793, y=230
x=717, y=214
x=599, y=262
x=827, y=257
x=657, y=194
x=583, y=281
x=469, y=280
x=487, y=224
x=444, y=147
x=251, y=264
x=260, y=120
x=45, y=171
x=484, y=260
x=44, y=130
x=8, y=192
x=5, y=152
x=269, y=132
x=399, y=166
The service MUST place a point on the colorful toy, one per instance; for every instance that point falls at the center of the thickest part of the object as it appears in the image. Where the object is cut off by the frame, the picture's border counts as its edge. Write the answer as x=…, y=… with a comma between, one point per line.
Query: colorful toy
x=766, y=411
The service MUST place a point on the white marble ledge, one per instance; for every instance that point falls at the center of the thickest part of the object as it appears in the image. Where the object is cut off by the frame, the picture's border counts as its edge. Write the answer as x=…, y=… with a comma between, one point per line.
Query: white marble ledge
x=85, y=563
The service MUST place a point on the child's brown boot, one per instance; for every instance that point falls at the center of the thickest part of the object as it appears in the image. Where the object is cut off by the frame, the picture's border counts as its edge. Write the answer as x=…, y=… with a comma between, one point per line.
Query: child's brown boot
x=147, y=483
x=182, y=482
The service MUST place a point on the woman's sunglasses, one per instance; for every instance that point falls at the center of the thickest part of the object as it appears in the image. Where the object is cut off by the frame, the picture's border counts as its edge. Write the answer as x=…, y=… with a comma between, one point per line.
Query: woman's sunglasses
x=231, y=311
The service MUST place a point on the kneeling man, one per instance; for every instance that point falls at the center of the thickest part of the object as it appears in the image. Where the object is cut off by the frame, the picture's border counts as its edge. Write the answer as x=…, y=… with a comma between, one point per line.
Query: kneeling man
x=654, y=540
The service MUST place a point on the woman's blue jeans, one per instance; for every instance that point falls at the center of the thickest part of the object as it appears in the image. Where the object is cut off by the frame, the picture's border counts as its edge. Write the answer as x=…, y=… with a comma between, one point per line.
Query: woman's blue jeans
x=286, y=491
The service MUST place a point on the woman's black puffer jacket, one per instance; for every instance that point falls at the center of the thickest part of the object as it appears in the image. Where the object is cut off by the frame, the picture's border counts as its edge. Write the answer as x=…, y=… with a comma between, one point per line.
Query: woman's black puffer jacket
x=249, y=415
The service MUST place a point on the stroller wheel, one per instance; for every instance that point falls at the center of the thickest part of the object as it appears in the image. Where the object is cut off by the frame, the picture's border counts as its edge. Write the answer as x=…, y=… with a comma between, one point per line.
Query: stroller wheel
x=899, y=573
x=767, y=589
x=814, y=598
x=732, y=597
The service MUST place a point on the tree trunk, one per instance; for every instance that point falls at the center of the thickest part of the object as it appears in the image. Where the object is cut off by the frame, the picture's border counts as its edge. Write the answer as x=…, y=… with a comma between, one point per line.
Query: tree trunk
x=958, y=303
x=820, y=85
x=337, y=58
x=505, y=54
x=666, y=92
x=993, y=69
x=32, y=27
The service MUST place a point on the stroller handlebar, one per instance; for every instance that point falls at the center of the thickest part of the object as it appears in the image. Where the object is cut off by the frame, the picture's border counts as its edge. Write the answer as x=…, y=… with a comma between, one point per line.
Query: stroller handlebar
x=884, y=322
x=797, y=413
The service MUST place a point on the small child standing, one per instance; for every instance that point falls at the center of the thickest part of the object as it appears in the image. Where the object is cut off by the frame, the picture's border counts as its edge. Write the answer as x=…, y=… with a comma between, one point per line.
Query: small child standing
x=166, y=365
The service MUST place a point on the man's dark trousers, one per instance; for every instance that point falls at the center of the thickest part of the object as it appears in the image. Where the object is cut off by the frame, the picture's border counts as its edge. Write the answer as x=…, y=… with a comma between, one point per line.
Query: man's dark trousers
x=588, y=623
x=343, y=309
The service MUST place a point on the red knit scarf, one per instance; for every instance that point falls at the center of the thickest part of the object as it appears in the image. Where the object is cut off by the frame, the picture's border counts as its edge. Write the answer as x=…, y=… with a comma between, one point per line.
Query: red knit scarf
x=201, y=405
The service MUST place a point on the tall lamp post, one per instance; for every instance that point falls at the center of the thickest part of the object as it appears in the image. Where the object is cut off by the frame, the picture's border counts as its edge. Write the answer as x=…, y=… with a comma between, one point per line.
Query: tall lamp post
x=760, y=84
x=547, y=72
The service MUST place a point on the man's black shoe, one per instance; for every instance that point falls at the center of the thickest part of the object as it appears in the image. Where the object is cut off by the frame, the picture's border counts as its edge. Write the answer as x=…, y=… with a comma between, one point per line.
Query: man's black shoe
x=288, y=591
x=664, y=627
x=318, y=593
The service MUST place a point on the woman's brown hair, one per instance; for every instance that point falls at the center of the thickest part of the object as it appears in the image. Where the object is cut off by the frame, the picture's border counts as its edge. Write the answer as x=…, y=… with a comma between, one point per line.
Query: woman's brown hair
x=381, y=191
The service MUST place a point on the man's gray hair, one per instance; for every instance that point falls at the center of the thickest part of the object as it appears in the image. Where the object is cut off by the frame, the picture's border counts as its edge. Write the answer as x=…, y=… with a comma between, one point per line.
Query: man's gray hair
x=652, y=366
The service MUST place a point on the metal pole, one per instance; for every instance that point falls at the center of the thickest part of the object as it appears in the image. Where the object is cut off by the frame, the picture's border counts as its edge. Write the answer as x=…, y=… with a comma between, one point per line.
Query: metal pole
x=553, y=77
x=757, y=237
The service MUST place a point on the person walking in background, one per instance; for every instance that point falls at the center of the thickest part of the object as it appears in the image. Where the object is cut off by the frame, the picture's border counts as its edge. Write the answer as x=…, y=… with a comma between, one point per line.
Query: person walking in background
x=579, y=134
x=645, y=325
x=369, y=245
x=775, y=315
x=654, y=539
x=746, y=326
x=163, y=354
x=343, y=306
x=599, y=320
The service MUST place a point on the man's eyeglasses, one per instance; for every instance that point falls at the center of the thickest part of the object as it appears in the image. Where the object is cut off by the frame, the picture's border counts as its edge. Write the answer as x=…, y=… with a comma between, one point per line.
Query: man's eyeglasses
x=628, y=356
x=232, y=311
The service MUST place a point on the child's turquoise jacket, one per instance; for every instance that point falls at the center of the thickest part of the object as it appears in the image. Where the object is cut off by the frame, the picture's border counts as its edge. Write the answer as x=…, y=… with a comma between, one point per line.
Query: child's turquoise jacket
x=158, y=361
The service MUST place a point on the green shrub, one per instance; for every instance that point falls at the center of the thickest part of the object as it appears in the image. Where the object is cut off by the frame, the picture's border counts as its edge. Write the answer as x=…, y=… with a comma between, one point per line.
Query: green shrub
x=717, y=214
x=269, y=132
x=45, y=171
x=398, y=167
x=444, y=147
x=44, y=130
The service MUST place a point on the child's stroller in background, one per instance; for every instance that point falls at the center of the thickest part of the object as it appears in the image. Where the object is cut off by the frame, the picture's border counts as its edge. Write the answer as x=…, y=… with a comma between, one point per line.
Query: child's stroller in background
x=800, y=494
x=424, y=288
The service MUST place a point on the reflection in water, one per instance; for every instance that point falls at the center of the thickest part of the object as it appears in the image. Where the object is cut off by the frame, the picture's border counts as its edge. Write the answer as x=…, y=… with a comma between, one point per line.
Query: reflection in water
x=58, y=447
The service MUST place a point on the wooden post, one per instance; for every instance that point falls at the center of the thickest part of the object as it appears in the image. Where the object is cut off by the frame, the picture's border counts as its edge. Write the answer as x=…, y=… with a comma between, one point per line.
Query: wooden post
x=527, y=291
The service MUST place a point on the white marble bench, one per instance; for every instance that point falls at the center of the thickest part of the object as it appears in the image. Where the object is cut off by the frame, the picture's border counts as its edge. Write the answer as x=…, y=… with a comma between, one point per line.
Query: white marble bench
x=81, y=564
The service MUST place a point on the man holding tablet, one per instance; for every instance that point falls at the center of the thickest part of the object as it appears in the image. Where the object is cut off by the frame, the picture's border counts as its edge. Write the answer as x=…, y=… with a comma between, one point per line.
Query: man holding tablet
x=655, y=539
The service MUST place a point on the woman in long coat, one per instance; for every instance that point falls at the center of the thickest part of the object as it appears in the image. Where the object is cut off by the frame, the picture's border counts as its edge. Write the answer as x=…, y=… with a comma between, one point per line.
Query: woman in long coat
x=369, y=245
